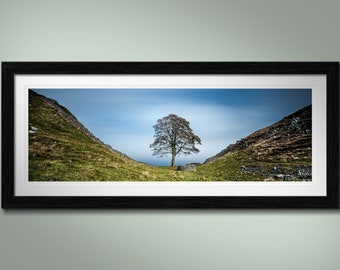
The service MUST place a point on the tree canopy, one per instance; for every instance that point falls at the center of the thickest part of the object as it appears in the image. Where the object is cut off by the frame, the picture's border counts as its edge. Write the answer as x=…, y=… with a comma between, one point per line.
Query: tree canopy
x=174, y=136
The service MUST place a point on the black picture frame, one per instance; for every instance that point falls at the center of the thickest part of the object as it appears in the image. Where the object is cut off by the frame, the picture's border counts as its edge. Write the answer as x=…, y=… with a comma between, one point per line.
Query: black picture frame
x=11, y=69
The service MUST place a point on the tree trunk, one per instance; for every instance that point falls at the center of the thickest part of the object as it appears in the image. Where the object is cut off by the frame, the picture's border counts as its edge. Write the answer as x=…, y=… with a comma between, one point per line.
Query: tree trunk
x=173, y=161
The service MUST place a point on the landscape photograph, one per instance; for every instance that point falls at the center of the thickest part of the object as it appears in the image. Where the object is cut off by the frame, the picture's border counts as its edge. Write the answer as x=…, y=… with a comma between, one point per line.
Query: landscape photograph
x=170, y=135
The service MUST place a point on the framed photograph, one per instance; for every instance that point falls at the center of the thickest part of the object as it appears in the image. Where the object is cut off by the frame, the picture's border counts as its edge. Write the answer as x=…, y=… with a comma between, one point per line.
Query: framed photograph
x=170, y=135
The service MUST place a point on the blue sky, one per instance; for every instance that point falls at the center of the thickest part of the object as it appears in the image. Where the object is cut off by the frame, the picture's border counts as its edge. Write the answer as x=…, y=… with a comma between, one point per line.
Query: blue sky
x=124, y=118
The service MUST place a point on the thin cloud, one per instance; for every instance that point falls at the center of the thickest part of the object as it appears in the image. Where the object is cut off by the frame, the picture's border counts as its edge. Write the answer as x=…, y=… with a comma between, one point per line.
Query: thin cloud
x=213, y=124
x=125, y=118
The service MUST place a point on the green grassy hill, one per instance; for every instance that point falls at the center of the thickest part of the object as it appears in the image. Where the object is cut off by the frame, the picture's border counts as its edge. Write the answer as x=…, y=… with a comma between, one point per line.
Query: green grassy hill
x=62, y=149
x=280, y=152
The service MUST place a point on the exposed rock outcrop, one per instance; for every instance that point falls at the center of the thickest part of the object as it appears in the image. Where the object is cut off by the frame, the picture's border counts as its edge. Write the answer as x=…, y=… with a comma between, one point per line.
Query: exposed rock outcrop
x=187, y=168
x=300, y=172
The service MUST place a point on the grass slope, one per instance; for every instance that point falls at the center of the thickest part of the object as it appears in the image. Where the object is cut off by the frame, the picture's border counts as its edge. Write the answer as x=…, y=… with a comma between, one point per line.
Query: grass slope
x=61, y=149
x=281, y=151
x=242, y=166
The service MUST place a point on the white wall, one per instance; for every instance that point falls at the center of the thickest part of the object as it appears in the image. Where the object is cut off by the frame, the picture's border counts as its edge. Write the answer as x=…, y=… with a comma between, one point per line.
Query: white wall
x=157, y=30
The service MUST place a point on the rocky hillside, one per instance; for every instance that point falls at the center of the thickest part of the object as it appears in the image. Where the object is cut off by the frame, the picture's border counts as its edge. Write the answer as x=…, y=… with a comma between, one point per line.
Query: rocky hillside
x=287, y=140
x=62, y=149
x=282, y=151
x=68, y=116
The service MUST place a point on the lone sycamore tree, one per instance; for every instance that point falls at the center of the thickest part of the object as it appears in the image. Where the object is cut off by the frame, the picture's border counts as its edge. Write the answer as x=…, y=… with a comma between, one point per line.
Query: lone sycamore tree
x=174, y=136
